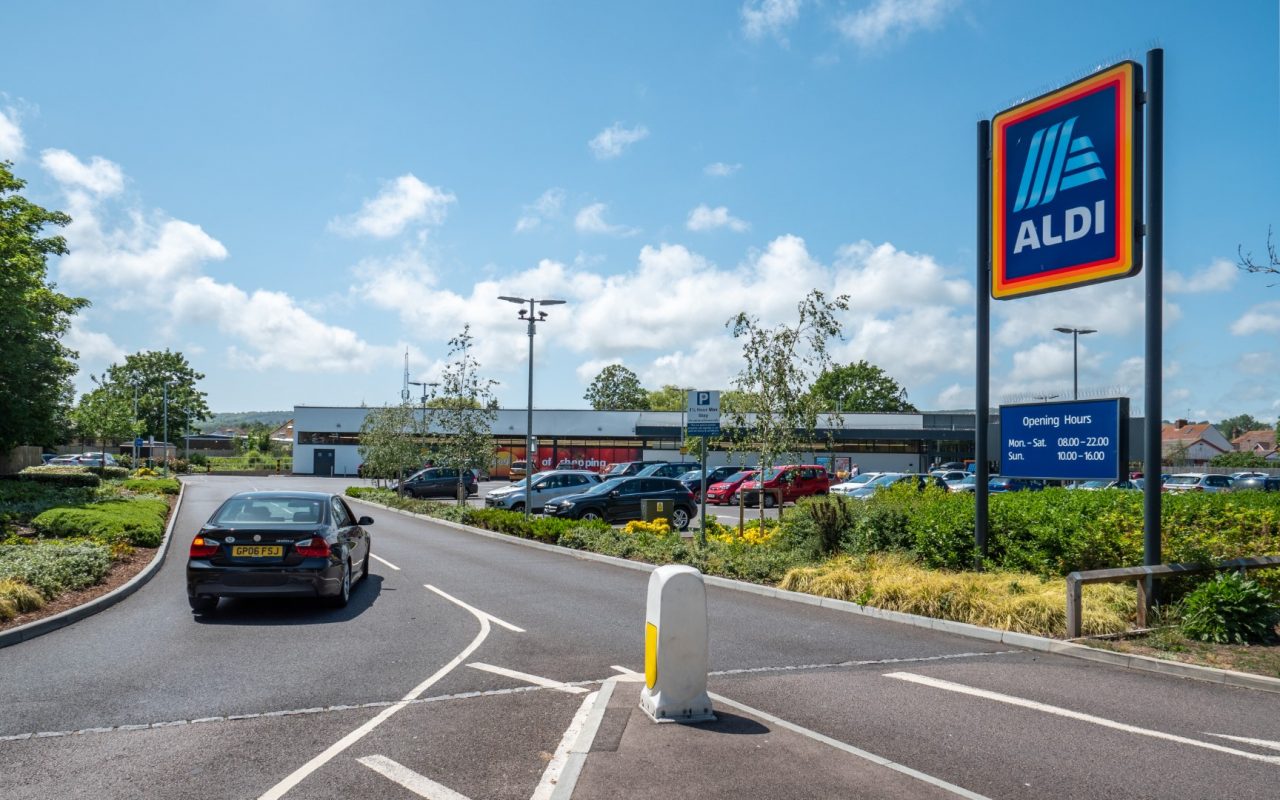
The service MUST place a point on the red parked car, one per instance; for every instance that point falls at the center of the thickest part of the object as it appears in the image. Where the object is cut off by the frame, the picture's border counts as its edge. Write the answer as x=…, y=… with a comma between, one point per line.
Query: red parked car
x=794, y=481
x=725, y=492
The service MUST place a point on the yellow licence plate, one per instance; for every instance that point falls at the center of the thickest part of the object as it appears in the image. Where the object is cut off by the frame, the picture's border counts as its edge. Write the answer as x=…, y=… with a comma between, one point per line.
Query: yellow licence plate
x=256, y=551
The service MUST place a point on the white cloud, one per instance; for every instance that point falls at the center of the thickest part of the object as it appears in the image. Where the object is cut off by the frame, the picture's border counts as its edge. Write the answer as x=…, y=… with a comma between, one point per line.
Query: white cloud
x=892, y=19
x=402, y=202
x=588, y=370
x=1257, y=363
x=146, y=256
x=721, y=170
x=93, y=346
x=100, y=176
x=613, y=140
x=1217, y=277
x=705, y=218
x=956, y=396
x=546, y=207
x=590, y=219
x=762, y=18
x=1262, y=318
x=1113, y=309
x=880, y=277
x=12, y=145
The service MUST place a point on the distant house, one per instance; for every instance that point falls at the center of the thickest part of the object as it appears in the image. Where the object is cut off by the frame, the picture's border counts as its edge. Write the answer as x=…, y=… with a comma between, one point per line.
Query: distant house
x=1260, y=443
x=284, y=433
x=1191, y=443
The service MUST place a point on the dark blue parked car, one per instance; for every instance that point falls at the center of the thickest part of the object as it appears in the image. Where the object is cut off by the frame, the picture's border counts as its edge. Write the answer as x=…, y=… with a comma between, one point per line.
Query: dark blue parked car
x=1000, y=484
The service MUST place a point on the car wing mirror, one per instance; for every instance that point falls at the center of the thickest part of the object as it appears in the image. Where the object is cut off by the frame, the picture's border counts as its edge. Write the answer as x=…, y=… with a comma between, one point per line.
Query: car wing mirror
x=365, y=521
x=613, y=493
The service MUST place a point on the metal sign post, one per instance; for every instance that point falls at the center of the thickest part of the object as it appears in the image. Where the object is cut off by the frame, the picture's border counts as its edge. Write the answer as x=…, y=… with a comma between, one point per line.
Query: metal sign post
x=703, y=420
x=1151, y=450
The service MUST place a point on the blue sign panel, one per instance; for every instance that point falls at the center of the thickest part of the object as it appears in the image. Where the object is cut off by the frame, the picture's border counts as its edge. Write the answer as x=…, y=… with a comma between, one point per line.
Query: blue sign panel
x=1075, y=440
x=1065, y=170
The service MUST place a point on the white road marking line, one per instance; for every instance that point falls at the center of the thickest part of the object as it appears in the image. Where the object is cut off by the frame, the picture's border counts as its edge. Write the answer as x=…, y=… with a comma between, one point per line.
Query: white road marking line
x=629, y=675
x=1076, y=715
x=477, y=612
x=959, y=791
x=536, y=680
x=1247, y=740
x=414, y=782
x=294, y=778
x=384, y=562
x=551, y=775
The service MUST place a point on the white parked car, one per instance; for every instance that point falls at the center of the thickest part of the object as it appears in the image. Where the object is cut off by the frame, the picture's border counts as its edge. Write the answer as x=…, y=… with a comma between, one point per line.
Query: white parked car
x=855, y=483
x=1196, y=482
x=82, y=460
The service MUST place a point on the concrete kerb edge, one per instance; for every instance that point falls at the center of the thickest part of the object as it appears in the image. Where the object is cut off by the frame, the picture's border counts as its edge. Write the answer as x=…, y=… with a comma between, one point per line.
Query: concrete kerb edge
x=1025, y=641
x=62, y=619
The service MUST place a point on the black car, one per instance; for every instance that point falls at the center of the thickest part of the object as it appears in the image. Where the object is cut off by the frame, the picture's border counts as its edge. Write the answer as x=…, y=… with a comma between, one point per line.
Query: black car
x=692, y=480
x=670, y=469
x=278, y=544
x=618, y=500
x=439, y=482
x=1257, y=484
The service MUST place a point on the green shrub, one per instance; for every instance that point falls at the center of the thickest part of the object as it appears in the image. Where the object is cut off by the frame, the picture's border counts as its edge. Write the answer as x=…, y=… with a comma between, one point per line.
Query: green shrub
x=53, y=567
x=60, y=476
x=199, y=460
x=109, y=473
x=152, y=485
x=137, y=522
x=1230, y=609
x=22, y=500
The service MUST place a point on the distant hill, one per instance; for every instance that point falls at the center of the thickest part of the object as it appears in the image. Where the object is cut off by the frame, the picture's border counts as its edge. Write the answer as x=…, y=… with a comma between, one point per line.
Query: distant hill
x=244, y=419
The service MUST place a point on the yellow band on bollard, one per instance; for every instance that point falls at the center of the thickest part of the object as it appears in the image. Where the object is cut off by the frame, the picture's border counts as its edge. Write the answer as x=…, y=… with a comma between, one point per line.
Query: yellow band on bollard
x=650, y=654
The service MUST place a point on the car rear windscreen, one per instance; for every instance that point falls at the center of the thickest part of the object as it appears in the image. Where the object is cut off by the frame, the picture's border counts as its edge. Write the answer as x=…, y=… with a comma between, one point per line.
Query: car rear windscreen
x=270, y=511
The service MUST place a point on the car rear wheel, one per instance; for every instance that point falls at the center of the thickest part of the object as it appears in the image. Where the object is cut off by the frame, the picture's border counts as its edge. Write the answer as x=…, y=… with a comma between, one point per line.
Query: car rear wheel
x=680, y=519
x=518, y=508
x=343, y=596
x=768, y=501
x=589, y=516
x=203, y=604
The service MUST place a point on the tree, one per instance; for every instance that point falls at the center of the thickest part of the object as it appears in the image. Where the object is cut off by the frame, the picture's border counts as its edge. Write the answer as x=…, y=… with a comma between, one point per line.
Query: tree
x=467, y=414
x=1240, y=460
x=861, y=388
x=1231, y=427
x=36, y=367
x=617, y=388
x=669, y=398
x=778, y=409
x=103, y=415
x=1269, y=267
x=386, y=446
x=148, y=371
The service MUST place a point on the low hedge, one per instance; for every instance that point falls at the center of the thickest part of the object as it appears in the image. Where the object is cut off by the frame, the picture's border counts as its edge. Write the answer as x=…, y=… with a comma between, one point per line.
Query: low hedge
x=152, y=485
x=53, y=568
x=20, y=501
x=109, y=473
x=60, y=476
x=138, y=522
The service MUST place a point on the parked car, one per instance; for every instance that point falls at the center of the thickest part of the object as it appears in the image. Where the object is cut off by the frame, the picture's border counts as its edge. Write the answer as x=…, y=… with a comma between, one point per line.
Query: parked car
x=668, y=469
x=1196, y=482
x=546, y=486
x=619, y=500
x=692, y=479
x=794, y=481
x=949, y=475
x=969, y=483
x=726, y=491
x=855, y=483
x=278, y=544
x=999, y=484
x=1098, y=485
x=438, y=482
x=1266, y=483
x=517, y=470
x=625, y=468
x=1235, y=476
x=82, y=460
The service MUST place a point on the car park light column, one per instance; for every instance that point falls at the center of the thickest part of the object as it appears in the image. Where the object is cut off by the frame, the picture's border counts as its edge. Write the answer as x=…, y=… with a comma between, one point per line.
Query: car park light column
x=532, y=318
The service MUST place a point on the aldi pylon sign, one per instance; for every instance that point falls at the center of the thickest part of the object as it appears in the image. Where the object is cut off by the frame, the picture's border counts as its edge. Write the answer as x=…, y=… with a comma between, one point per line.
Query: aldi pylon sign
x=1066, y=178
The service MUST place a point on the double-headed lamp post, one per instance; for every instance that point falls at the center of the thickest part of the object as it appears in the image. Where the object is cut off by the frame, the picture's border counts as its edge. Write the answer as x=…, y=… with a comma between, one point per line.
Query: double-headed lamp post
x=529, y=316
x=167, y=384
x=1076, y=333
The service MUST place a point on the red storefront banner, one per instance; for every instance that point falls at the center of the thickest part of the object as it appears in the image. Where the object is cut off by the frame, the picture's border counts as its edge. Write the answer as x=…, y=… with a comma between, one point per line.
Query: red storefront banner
x=551, y=456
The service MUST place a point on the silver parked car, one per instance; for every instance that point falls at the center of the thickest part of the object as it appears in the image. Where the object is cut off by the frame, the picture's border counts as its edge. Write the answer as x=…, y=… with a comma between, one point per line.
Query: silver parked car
x=1197, y=482
x=546, y=486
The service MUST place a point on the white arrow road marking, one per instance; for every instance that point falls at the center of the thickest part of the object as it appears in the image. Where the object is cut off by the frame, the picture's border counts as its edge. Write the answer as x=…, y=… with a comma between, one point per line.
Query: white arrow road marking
x=477, y=612
x=384, y=562
x=418, y=784
x=555, y=767
x=296, y=777
x=536, y=680
x=1076, y=715
x=1246, y=740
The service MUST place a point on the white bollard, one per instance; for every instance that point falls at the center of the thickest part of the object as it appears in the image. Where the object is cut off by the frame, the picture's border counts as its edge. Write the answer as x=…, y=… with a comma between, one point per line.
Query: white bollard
x=675, y=647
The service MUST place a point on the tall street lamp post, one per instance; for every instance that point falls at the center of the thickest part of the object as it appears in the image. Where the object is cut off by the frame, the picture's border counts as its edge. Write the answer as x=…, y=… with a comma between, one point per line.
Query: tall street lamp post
x=167, y=384
x=1076, y=333
x=529, y=316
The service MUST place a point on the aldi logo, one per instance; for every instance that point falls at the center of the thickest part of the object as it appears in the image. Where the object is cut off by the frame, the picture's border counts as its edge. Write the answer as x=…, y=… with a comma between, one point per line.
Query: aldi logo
x=1065, y=196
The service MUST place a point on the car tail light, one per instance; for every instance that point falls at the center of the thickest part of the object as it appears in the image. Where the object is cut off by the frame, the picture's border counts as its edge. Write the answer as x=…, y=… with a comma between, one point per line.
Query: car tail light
x=315, y=547
x=203, y=548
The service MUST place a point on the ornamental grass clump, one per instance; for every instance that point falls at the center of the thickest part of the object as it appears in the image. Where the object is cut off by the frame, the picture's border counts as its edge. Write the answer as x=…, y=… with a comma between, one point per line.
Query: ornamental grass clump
x=1008, y=601
x=17, y=598
x=1230, y=609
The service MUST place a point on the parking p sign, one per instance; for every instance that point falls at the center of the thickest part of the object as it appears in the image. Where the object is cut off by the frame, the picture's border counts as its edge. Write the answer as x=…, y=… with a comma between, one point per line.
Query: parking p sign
x=703, y=413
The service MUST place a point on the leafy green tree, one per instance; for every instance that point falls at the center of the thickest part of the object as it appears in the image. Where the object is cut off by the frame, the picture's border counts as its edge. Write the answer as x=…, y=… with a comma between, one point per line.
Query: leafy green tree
x=1231, y=427
x=387, y=447
x=104, y=415
x=36, y=367
x=148, y=371
x=465, y=418
x=1239, y=461
x=669, y=398
x=617, y=388
x=860, y=388
x=778, y=411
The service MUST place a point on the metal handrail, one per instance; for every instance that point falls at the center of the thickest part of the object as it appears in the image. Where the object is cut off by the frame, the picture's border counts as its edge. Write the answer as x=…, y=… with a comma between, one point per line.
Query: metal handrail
x=1077, y=580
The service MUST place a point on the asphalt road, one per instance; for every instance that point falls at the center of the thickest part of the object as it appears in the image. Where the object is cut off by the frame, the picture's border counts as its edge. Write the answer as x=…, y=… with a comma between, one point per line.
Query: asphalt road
x=435, y=667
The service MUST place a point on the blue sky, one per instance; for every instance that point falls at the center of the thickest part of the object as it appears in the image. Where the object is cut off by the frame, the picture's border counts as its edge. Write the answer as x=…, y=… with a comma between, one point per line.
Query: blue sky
x=295, y=193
